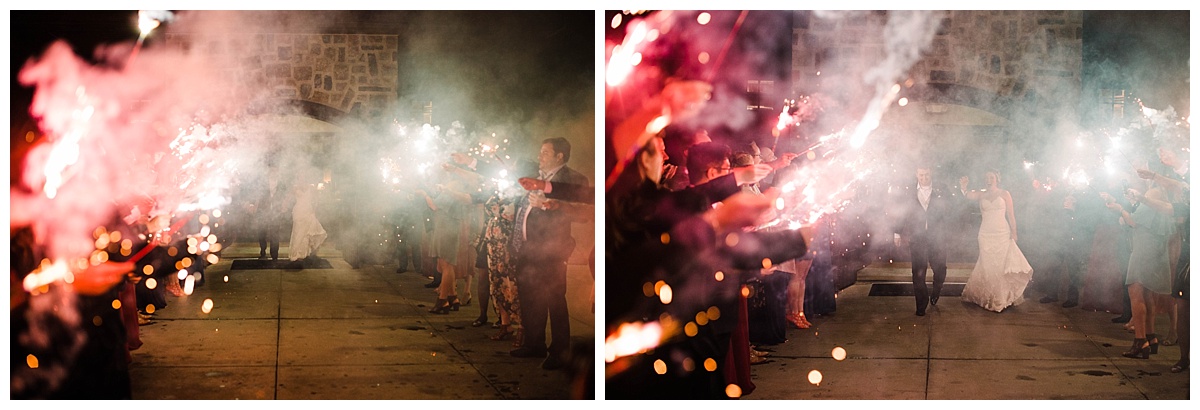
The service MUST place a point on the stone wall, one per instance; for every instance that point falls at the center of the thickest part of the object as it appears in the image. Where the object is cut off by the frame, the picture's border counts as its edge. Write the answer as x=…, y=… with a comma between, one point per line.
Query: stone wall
x=1012, y=55
x=352, y=73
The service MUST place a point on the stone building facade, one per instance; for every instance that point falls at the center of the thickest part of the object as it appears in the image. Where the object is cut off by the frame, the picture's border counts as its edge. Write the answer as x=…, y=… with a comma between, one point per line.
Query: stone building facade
x=1004, y=63
x=328, y=74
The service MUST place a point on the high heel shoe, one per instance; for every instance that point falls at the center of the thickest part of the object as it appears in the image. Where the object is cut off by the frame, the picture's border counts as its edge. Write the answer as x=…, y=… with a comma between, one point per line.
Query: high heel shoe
x=1139, y=350
x=504, y=333
x=797, y=320
x=468, y=301
x=1152, y=339
x=454, y=303
x=441, y=307
x=517, y=336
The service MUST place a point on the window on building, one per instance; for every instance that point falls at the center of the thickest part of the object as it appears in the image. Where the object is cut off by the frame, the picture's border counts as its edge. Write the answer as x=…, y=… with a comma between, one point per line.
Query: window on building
x=1112, y=101
x=756, y=92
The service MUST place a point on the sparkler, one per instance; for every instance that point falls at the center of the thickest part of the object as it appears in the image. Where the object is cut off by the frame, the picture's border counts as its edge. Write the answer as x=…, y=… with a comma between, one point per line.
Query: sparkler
x=148, y=20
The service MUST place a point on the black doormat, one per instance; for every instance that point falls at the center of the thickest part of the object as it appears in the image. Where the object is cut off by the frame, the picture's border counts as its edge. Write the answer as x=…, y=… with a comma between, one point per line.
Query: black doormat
x=251, y=264
x=906, y=289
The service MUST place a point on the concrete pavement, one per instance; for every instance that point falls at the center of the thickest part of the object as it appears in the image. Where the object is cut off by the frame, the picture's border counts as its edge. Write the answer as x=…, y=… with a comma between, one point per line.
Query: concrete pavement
x=959, y=351
x=338, y=333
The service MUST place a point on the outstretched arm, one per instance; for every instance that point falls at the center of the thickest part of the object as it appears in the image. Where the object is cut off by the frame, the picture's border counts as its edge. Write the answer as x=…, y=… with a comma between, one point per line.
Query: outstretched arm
x=1010, y=215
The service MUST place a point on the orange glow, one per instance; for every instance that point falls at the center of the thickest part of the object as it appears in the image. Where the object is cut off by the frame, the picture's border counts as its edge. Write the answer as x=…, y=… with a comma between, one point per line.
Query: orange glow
x=720, y=276
x=710, y=364
x=733, y=391
x=206, y=306
x=660, y=366
x=839, y=353
x=31, y=361
x=116, y=304
x=632, y=338
x=815, y=377
x=665, y=295
x=691, y=329
x=714, y=313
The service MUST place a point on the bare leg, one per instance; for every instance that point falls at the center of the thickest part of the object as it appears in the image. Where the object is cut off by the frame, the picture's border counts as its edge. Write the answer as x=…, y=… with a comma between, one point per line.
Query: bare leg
x=447, y=288
x=1137, y=303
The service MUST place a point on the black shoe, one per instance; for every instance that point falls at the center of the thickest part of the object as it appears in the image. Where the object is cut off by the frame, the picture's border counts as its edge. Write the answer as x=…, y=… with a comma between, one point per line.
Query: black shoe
x=1180, y=366
x=479, y=322
x=433, y=285
x=527, y=352
x=920, y=313
x=553, y=363
x=1049, y=299
x=1070, y=304
x=933, y=299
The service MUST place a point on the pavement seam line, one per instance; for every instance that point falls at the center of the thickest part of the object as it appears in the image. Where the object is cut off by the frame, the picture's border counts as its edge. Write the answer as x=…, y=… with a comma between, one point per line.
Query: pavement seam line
x=278, y=333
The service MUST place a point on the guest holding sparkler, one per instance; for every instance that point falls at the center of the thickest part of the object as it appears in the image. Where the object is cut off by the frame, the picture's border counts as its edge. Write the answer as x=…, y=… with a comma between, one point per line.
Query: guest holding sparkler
x=542, y=242
x=448, y=203
x=666, y=263
x=1001, y=273
x=1079, y=218
x=1149, y=267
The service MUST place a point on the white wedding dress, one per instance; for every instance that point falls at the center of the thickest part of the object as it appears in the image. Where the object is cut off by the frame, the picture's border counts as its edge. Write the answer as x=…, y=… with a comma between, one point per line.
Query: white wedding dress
x=1001, y=273
x=307, y=232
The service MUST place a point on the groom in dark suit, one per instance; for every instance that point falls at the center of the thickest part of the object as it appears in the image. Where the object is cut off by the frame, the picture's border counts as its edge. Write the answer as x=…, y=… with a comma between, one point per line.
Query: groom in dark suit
x=924, y=211
x=542, y=243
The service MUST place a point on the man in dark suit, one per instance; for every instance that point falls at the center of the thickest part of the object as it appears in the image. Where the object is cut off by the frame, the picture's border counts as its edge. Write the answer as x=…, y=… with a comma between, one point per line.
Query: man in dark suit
x=542, y=243
x=924, y=211
x=268, y=210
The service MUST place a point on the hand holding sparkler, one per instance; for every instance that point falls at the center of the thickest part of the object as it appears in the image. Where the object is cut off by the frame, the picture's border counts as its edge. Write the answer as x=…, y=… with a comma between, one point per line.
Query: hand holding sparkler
x=532, y=184
x=751, y=173
x=461, y=159
x=740, y=210
x=784, y=160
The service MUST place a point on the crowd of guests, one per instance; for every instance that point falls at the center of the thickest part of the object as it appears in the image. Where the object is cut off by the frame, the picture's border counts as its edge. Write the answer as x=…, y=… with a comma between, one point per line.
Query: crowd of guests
x=682, y=260
x=693, y=282
x=1128, y=253
x=469, y=221
x=142, y=259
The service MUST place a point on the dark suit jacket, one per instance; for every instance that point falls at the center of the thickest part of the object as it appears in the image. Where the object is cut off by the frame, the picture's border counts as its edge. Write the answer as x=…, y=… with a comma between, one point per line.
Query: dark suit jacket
x=916, y=223
x=566, y=191
x=548, y=232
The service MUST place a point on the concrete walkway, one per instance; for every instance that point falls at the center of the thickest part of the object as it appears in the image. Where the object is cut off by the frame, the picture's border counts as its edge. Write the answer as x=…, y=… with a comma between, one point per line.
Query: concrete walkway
x=339, y=333
x=959, y=351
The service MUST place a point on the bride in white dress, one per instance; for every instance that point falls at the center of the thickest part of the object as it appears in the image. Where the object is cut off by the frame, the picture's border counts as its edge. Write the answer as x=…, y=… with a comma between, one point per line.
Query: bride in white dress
x=1001, y=273
x=307, y=232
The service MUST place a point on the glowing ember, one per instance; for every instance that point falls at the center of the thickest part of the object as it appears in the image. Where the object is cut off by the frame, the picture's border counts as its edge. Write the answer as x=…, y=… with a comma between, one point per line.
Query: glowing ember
x=733, y=391
x=632, y=338
x=227, y=279
x=660, y=366
x=839, y=353
x=815, y=377
x=206, y=306
x=31, y=361
x=116, y=304
x=665, y=295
